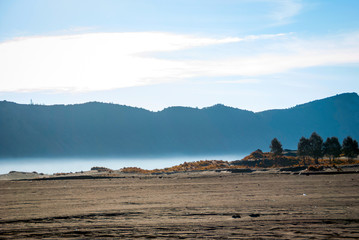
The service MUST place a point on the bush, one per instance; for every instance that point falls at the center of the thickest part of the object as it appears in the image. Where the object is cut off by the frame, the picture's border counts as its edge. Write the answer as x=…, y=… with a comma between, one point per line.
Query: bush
x=315, y=168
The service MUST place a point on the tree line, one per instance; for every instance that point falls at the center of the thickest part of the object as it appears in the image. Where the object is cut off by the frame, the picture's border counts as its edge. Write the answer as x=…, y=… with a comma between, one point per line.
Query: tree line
x=315, y=148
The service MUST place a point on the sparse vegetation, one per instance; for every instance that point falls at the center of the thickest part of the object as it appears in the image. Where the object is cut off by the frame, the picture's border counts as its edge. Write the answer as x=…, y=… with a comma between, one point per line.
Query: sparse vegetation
x=101, y=169
x=310, y=152
x=186, y=166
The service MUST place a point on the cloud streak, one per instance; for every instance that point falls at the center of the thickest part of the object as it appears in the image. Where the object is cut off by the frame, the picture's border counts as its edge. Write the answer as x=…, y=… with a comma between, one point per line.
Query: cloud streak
x=286, y=9
x=102, y=61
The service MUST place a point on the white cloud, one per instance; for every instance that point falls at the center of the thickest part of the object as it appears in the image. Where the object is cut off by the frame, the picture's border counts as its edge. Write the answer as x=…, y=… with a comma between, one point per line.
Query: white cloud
x=284, y=10
x=91, y=61
x=240, y=81
x=287, y=9
x=94, y=61
x=115, y=60
x=292, y=53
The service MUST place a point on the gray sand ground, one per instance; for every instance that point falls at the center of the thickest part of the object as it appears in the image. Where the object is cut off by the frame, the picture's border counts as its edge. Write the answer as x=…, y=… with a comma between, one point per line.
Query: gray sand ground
x=186, y=205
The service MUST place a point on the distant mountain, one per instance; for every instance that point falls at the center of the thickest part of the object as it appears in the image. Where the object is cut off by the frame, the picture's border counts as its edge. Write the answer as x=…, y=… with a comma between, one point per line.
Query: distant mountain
x=101, y=129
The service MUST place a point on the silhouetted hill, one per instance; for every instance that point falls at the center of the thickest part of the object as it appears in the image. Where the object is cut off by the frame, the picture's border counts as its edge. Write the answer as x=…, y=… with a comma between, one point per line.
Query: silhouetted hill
x=333, y=116
x=100, y=129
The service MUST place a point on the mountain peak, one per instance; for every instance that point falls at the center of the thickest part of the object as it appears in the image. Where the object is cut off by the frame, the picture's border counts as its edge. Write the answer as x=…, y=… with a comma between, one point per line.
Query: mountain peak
x=342, y=97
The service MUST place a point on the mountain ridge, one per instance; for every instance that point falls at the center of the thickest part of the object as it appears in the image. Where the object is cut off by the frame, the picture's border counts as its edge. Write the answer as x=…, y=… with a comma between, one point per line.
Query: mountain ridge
x=348, y=95
x=105, y=129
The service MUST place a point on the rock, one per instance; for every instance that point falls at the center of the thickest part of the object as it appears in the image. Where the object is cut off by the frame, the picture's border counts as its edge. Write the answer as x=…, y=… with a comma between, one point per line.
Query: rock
x=254, y=215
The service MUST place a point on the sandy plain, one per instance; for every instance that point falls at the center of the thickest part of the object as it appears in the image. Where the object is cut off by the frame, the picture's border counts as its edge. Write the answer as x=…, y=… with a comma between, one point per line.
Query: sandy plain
x=207, y=205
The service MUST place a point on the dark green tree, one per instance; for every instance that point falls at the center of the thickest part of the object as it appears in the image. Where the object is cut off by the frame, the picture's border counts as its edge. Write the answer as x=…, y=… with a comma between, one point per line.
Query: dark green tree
x=276, y=147
x=316, y=147
x=332, y=148
x=303, y=148
x=350, y=147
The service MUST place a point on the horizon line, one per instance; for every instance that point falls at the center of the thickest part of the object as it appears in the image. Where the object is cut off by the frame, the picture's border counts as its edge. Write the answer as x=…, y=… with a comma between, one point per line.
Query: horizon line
x=176, y=106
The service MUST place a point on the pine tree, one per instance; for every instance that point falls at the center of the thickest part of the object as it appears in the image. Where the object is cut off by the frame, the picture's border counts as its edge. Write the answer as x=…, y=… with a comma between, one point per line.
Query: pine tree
x=332, y=148
x=316, y=147
x=276, y=147
x=350, y=147
x=303, y=148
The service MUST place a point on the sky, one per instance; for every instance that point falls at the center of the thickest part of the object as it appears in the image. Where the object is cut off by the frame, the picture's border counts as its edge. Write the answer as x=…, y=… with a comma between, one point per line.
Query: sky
x=249, y=54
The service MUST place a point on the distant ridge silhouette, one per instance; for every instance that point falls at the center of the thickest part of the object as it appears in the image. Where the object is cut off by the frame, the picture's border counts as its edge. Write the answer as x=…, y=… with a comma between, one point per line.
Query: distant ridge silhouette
x=102, y=129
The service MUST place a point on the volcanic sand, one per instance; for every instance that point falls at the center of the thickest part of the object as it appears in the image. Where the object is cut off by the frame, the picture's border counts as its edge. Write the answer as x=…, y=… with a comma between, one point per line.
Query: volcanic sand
x=186, y=205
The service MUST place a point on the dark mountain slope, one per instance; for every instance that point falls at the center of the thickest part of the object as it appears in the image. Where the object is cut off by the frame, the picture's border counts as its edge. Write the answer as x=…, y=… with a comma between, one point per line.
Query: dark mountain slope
x=99, y=129
x=214, y=129
x=333, y=116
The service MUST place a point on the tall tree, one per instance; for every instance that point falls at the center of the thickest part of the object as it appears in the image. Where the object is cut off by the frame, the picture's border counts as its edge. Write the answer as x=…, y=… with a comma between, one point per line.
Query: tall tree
x=332, y=148
x=303, y=148
x=276, y=147
x=350, y=147
x=316, y=147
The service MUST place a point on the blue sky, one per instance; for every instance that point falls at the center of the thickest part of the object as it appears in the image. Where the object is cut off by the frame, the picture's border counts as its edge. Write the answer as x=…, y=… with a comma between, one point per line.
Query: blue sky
x=249, y=54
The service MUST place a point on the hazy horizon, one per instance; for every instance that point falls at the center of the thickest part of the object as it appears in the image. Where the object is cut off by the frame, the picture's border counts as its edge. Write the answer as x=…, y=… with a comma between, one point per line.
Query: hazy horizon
x=51, y=165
